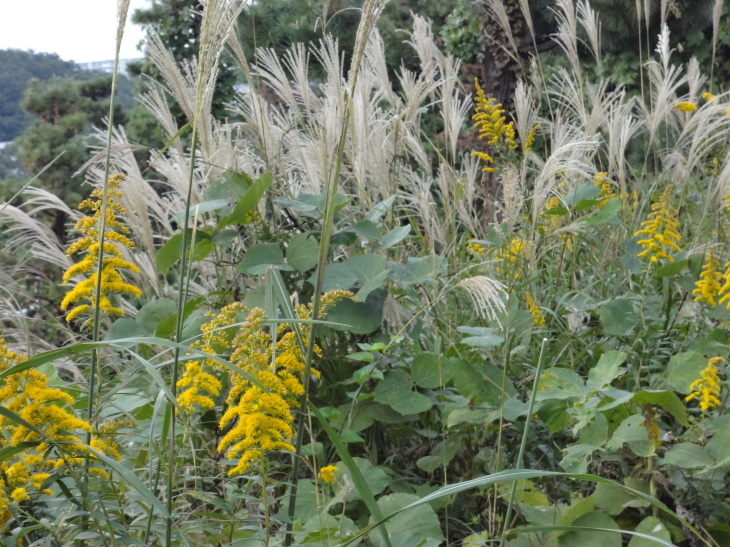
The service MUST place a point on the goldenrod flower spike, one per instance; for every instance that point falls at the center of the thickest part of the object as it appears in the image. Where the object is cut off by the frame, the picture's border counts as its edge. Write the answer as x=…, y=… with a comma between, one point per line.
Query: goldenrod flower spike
x=661, y=230
x=707, y=387
x=537, y=315
x=489, y=119
x=115, y=236
x=258, y=418
x=28, y=395
x=708, y=286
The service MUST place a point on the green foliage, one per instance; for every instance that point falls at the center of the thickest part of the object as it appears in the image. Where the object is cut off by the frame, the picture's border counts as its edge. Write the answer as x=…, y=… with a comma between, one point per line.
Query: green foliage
x=17, y=68
x=424, y=363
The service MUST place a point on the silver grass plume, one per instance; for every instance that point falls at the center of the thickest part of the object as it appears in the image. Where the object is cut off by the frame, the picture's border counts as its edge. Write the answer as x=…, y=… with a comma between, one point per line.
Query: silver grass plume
x=716, y=15
x=486, y=294
x=496, y=9
x=588, y=18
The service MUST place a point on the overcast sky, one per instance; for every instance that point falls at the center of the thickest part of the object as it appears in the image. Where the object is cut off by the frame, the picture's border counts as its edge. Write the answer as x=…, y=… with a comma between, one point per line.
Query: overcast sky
x=77, y=30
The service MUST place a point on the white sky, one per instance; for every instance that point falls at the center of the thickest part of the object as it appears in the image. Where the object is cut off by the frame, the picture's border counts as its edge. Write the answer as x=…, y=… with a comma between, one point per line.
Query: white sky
x=77, y=30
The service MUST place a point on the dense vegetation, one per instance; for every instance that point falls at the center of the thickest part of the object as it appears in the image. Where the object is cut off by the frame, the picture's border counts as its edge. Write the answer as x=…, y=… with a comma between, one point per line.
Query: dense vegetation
x=370, y=307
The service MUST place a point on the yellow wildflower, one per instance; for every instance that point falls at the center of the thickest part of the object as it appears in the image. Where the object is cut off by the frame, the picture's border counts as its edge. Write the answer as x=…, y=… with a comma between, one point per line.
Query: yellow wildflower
x=724, y=291
x=510, y=258
x=686, y=106
x=327, y=474
x=476, y=248
x=529, y=141
x=606, y=187
x=258, y=418
x=661, y=230
x=537, y=315
x=115, y=237
x=708, y=96
x=28, y=395
x=489, y=118
x=707, y=387
x=708, y=286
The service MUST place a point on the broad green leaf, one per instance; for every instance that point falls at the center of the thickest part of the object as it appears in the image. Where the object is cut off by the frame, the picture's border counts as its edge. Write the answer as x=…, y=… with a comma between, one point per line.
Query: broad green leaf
x=367, y=229
x=442, y=454
x=481, y=337
x=584, y=191
x=605, y=213
x=376, y=477
x=587, y=536
x=431, y=370
x=358, y=480
x=633, y=431
x=126, y=327
x=668, y=400
x=606, y=370
x=337, y=276
x=671, y=268
x=395, y=236
x=396, y=390
x=618, y=317
x=172, y=250
x=688, y=456
x=526, y=493
x=154, y=312
x=719, y=446
x=248, y=202
x=302, y=252
x=650, y=526
x=560, y=383
x=379, y=209
x=611, y=499
x=358, y=317
x=683, y=369
x=416, y=526
x=260, y=257
x=230, y=187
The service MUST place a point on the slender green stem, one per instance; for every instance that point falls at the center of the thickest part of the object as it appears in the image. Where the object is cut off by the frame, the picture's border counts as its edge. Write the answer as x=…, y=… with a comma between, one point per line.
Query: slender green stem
x=94, y=370
x=519, y=464
x=327, y=229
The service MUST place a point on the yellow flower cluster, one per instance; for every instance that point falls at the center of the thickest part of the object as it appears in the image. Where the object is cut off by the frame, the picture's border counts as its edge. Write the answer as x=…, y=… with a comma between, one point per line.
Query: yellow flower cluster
x=327, y=473
x=707, y=387
x=709, y=285
x=529, y=141
x=28, y=395
x=607, y=189
x=661, y=229
x=511, y=256
x=537, y=316
x=115, y=236
x=258, y=417
x=476, y=248
x=686, y=106
x=490, y=119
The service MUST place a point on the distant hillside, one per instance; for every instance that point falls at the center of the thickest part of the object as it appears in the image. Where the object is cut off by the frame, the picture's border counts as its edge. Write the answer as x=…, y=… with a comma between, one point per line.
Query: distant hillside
x=18, y=67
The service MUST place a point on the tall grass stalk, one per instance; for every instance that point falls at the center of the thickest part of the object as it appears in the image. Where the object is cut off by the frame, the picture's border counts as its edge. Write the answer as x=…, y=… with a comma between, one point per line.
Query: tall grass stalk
x=370, y=13
x=215, y=28
x=122, y=9
x=519, y=463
